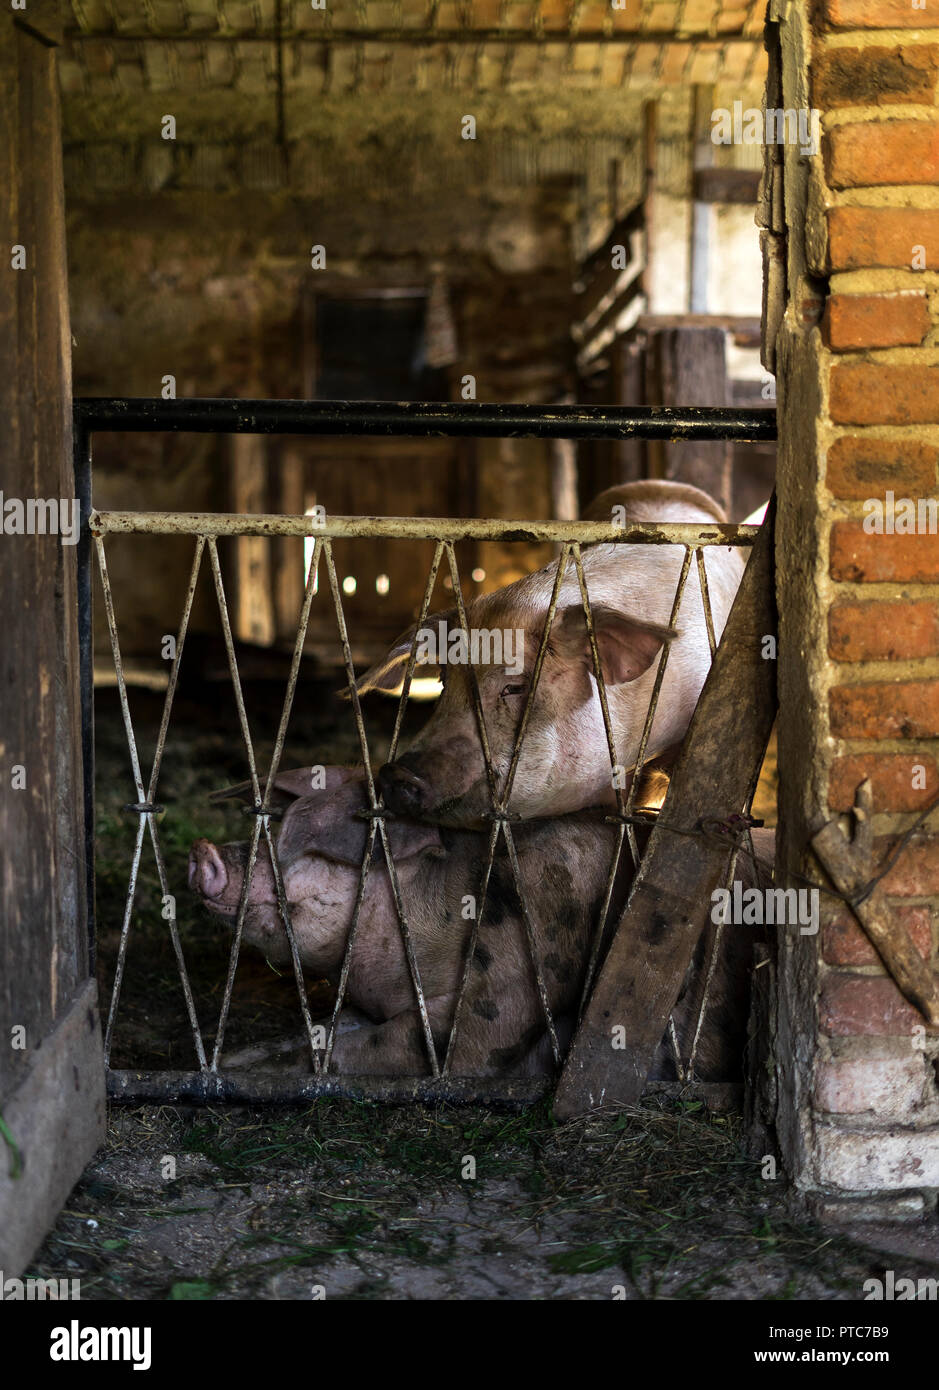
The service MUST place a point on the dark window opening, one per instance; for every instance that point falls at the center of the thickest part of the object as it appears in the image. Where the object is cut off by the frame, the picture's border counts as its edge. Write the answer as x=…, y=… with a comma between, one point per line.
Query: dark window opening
x=375, y=349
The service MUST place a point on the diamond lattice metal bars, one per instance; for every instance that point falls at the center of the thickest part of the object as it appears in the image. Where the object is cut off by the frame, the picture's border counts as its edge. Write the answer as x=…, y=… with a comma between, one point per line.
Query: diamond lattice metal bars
x=694, y=540
x=261, y=808
x=146, y=806
x=377, y=814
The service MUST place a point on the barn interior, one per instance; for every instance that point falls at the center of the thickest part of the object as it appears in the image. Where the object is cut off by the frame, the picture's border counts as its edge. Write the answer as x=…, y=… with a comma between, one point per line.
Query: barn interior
x=502, y=202
x=407, y=201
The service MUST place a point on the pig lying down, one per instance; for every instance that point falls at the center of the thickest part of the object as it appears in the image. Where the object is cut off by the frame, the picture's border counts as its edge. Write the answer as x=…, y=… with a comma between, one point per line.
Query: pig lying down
x=565, y=763
x=564, y=865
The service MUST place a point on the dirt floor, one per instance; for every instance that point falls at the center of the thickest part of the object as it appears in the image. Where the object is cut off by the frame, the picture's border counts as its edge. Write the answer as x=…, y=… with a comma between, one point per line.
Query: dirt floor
x=350, y=1201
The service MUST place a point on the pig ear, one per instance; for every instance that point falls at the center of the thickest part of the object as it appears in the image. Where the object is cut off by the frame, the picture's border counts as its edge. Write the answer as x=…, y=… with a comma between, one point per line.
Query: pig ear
x=386, y=675
x=407, y=838
x=330, y=827
x=627, y=646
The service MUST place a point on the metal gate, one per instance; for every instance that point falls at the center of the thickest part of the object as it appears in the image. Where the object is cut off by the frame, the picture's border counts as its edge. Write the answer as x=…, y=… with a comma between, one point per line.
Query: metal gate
x=210, y=1082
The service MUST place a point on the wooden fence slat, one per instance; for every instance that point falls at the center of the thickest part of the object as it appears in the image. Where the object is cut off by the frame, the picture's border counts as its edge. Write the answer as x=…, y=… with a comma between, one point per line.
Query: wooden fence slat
x=717, y=771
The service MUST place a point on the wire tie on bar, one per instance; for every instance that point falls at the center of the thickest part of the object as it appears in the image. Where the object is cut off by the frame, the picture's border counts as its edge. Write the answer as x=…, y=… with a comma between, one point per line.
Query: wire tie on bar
x=731, y=828
x=636, y=818
x=144, y=808
x=275, y=812
x=501, y=815
x=374, y=813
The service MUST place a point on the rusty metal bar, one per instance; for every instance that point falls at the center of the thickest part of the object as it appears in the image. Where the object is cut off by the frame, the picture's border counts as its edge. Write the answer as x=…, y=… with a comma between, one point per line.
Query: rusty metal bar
x=448, y=529
x=256, y=1087
x=378, y=819
x=562, y=564
x=466, y=419
x=706, y=600
x=265, y=1088
x=262, y=821
x=412, y=655
x=144, y=807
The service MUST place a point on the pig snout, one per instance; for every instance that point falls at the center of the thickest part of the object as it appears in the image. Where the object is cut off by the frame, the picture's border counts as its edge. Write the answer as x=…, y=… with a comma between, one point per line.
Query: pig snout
x=403, y=788
x=207, y=872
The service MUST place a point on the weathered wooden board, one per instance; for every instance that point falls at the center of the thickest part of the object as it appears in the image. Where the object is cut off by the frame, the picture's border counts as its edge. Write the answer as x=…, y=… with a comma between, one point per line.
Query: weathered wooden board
x=43, y=936
x=57, y=1117
x=689, y=364
x=717, y=771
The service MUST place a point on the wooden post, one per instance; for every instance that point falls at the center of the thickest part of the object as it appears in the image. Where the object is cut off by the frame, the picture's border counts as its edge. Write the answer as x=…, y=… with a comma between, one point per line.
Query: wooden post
x=669, y=904
x=51, y=1067
x=288, y=551
x=253, y=616
x=688, y=367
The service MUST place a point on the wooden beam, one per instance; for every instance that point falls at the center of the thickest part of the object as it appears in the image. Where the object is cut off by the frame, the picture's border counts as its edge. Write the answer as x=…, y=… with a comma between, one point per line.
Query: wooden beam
x=689, y=364
x=253, y=615
x=717, y=771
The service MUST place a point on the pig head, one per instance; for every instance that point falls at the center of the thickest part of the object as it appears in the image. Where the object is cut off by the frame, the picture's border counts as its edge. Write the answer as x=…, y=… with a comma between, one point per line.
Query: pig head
x=564, y=763
x=320, y=846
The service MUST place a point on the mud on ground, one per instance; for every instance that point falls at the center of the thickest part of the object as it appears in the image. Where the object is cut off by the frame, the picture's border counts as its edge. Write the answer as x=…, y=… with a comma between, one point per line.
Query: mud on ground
x=363, y=1202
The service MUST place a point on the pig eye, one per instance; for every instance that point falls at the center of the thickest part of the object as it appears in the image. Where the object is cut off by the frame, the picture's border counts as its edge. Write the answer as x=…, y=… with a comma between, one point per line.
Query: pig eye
x=512, y=690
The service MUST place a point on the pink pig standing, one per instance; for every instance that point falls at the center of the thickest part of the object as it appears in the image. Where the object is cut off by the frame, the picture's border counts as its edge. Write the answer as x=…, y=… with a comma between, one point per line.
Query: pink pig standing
x=564, y=763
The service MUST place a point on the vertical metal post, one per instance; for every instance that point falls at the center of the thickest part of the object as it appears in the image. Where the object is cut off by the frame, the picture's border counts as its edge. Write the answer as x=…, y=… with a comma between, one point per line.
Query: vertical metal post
x=81, y=436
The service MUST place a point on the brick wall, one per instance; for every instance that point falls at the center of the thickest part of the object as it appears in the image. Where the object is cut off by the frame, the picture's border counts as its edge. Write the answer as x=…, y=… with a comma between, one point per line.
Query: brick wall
x=863, y=222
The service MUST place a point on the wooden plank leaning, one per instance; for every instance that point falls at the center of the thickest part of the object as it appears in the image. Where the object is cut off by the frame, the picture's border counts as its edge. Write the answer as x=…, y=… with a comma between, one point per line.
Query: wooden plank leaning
x=669, y=904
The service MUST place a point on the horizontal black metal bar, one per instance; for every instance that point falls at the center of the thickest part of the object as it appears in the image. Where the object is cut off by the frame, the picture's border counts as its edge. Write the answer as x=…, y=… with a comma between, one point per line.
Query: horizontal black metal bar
x=267, y=1088
x=469, y=420
x=270, y=1088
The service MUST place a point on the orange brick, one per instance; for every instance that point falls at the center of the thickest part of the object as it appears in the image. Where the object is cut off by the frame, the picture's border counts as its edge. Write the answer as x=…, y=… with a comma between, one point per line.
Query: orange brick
x=873, y=14
x=860, y=558
x=883, y=152
x=862, y=237
x=891, y=776
x=860, y=466
x=887, y=709
x=844, y=941
x=875, y=76
x=626, y=18
x=916, y=872
x=876, y=320
x=883, y=631
x=865, y=1005
x=865, y=394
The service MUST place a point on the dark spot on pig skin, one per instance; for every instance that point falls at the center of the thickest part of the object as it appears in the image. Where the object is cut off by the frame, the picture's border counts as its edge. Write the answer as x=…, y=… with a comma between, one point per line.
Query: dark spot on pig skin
x=656, y=929
x=482, y=958
x=504, y=1058
x=560, y=969
x=501, y=897
x=486, y=1008
x=557, y=880
x=374, y=1040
